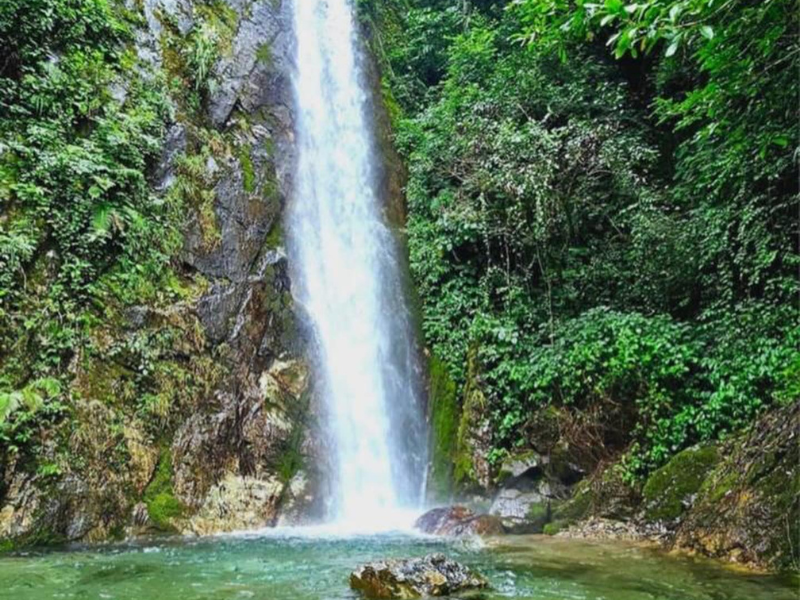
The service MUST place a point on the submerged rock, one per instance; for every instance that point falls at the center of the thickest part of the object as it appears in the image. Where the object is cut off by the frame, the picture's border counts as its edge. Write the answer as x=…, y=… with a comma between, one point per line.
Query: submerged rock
x=458, y=521
x=433, y=575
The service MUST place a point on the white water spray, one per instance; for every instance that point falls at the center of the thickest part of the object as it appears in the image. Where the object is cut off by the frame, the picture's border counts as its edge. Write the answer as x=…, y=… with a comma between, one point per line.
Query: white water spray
x=347, y=278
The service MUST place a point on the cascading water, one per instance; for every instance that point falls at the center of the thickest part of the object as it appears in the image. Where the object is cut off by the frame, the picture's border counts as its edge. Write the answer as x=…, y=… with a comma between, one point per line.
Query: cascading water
x=347, y=277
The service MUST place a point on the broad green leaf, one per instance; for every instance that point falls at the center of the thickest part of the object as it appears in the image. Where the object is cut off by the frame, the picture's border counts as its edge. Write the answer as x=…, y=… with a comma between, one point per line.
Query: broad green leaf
x=672, y=48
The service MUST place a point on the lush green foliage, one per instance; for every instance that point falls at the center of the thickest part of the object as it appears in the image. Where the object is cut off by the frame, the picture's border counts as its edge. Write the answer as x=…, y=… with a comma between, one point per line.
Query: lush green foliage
x=82, y=235
x=603, y=205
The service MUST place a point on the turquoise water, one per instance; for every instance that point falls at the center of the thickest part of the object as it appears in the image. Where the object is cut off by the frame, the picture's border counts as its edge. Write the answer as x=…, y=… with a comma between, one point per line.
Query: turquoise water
x=293, y=567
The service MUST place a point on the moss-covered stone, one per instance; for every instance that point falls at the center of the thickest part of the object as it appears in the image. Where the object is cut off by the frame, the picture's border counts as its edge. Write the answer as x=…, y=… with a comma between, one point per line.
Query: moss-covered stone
x=264, y=54
x=555, y=527
x=275, y=236
x=748, y=508
x=444, y=411
x=516, y=464
x=291, y=460
x=578, y=507
x=539, y=511
x=668, y=490
x=162, y=505
x=473, y=441
x=248, y=173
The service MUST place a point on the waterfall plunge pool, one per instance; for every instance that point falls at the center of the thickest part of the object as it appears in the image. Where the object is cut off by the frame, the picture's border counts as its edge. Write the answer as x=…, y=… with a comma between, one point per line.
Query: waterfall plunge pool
x=287, y=565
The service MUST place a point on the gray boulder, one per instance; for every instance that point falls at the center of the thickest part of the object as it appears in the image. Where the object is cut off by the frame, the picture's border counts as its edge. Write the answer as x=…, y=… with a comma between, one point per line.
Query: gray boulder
x=433, y=575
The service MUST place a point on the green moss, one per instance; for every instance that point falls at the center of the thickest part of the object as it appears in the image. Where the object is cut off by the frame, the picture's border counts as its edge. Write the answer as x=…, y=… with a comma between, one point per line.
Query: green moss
x=554, y=527
x=291, y=460
x=264, y=54
x=106, y=381
x=444, y=411
x=269, y=187
x=668, y=488
x=159, y=496
x=393, y=108
x=715, y=489
x=578, y=506
x=474, y=401
x=539, y=511
x=275, y=237
x=248, y=173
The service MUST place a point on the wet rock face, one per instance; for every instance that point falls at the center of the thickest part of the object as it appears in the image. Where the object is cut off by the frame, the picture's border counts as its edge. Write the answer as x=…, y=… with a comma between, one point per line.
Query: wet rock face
x=245, y=76
x=433, y=575
x=458, y=521
x=259, y=419
x=237, y=503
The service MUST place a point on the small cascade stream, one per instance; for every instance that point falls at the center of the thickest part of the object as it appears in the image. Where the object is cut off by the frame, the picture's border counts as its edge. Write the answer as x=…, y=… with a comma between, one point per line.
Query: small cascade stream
x=347, y=278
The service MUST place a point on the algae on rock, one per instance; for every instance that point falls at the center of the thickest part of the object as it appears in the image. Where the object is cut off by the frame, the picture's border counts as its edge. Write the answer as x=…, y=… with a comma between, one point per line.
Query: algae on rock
x=444, y=417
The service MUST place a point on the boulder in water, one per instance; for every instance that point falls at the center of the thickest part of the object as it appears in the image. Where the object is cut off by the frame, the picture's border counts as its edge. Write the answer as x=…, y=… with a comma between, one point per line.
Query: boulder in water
x=433, y=575
x=458, y=521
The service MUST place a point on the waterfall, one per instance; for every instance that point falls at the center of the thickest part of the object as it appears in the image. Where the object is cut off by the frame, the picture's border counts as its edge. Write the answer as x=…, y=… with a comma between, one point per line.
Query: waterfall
x=347, y=277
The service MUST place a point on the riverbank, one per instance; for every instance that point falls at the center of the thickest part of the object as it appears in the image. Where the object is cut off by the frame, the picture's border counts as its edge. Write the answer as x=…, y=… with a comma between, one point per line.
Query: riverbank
x=737, y=501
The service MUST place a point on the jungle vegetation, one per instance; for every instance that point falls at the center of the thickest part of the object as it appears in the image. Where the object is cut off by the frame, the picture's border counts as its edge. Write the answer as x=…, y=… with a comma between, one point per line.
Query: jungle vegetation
x=603, y=208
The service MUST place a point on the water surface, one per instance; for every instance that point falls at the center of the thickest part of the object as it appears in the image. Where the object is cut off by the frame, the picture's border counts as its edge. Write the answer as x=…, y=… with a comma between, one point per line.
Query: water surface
x=295, y=567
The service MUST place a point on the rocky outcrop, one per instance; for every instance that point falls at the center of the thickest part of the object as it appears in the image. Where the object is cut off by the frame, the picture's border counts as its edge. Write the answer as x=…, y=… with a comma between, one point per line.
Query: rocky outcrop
x=433, y=575
x=528, y=493
x=237, y=503
x=214, y=430
x=473, y=471
x=738, y=501
x=233, y=457
x=747, y=507
x=458, y=521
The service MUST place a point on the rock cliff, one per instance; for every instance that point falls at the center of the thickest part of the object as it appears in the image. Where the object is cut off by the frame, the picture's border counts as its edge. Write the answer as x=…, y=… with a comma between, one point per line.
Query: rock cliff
x=227, y=437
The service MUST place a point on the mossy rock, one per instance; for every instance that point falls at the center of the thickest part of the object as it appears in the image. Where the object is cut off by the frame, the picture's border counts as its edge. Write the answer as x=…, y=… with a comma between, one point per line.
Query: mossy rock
x=159, y=496
x=275, y=236
x=248, y=171
x=472, y=471
x=578, y=506
x=264, y=54
x=538, y=516
x=748, y=507
x=518, y=464
x=444, y=409
x=669, y=490
x=555, y=527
